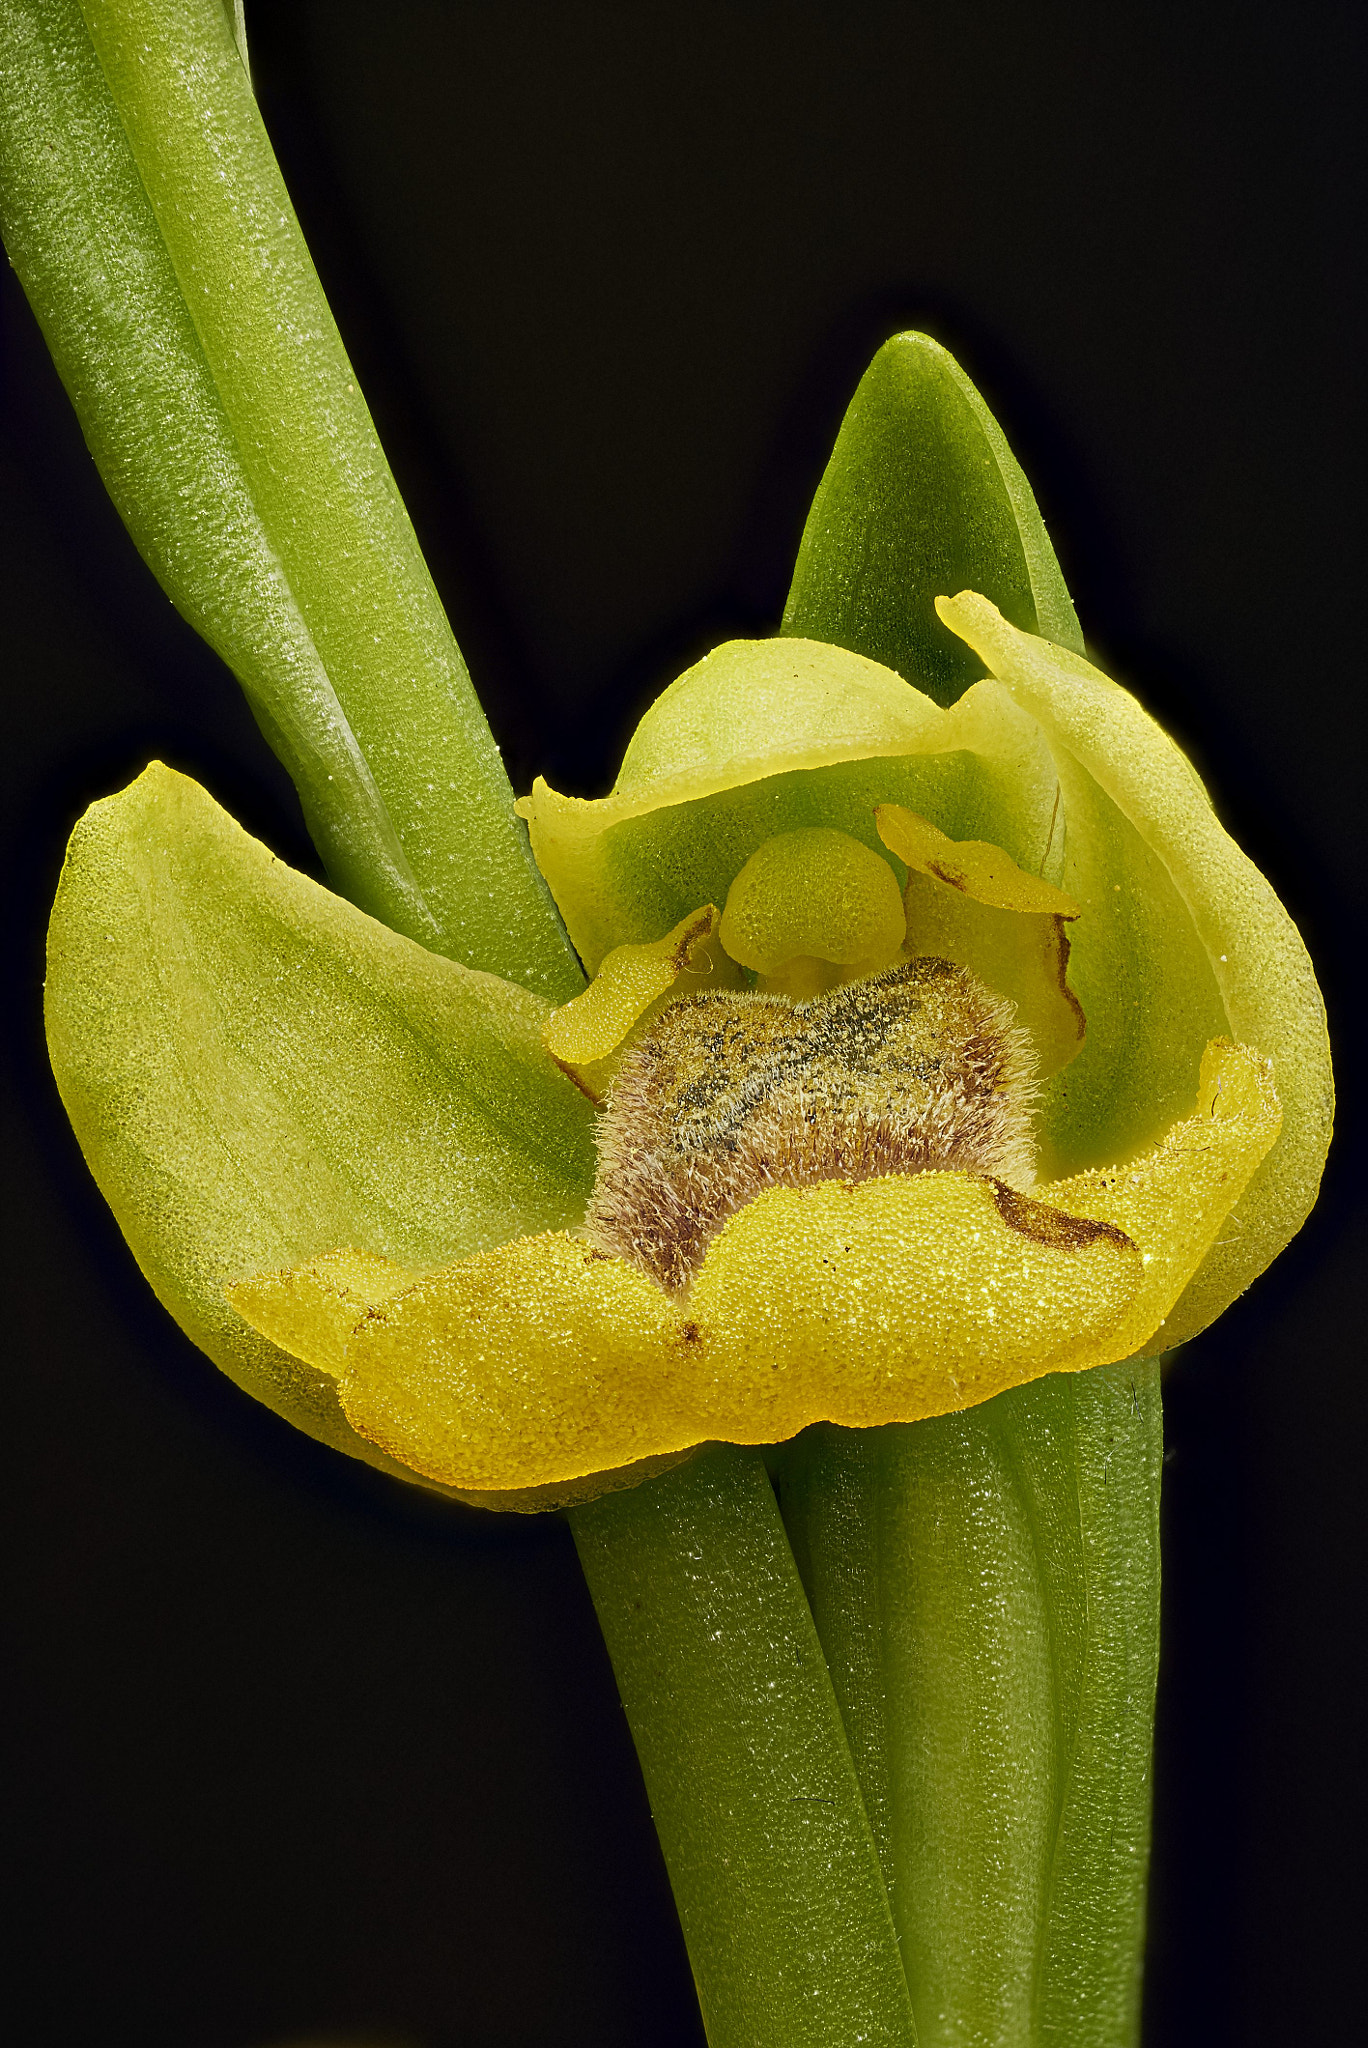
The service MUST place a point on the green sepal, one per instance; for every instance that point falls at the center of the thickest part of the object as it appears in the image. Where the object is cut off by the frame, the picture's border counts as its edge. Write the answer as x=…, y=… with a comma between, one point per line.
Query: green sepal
x=986, y=1589
x=257, y=1073
x=922, y=496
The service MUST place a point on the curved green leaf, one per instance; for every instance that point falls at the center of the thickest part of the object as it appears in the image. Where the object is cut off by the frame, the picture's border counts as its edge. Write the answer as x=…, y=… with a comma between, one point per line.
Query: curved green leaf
x=144, y=212
x=922, y=496
x=257, y=1072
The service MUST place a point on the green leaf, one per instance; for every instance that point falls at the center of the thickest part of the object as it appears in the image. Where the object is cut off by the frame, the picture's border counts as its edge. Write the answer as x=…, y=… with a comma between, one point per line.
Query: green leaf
x=144, y=211
x=986, y=1588
x=922, y=497
x=257, y=1073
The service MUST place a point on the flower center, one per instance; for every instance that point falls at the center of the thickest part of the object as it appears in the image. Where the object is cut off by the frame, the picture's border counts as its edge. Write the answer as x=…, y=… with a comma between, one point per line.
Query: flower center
x=727, y=1094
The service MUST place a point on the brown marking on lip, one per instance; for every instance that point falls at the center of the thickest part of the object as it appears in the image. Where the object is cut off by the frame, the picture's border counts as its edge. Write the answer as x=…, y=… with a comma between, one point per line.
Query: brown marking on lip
x=1062, y=949
x=700, y=928
x=1052, y=1227
x=375, y=1313
x=956, y=881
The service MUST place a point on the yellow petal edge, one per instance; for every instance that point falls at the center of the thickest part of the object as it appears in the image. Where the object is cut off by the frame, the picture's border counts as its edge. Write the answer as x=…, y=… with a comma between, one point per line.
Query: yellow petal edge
x=583, y=1034
x=1266, y=983
x=543, y=1361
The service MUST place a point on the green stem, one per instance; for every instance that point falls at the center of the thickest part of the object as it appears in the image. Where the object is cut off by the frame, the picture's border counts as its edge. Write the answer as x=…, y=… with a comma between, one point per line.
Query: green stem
x=144, y=211
x=746, y=1763
x=986, y=1589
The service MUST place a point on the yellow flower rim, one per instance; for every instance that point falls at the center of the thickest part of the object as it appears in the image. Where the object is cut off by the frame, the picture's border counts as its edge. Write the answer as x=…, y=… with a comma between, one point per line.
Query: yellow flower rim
x=542, y=1360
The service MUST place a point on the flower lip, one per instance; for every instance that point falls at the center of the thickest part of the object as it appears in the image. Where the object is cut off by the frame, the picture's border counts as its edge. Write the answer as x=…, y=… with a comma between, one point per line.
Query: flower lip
x=727, y=1095
x=543, y=1360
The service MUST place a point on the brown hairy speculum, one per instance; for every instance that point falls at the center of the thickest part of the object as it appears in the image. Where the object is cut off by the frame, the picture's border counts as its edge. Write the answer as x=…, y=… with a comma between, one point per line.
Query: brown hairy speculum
x=727, y=1094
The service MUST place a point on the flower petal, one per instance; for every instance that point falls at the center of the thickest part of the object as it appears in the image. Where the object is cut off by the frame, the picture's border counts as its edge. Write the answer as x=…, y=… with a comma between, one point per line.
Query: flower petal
x=311, y=1311
x=974, y=867
x=764, y=737
x=535, y=1362
x=1251, y=953
x=583, y=1035
x=315, y=1311
x=968, y=902
x=542, y=1362
x=898, y=1298
x=256, y=1072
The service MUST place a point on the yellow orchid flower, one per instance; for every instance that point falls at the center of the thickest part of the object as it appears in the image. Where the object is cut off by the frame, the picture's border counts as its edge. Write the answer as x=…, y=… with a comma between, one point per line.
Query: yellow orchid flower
x=939, y=1045
x=901, y=1260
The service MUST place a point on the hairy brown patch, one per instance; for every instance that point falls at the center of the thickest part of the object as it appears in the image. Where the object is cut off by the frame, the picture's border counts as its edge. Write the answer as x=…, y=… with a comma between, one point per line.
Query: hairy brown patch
x=727, y=1095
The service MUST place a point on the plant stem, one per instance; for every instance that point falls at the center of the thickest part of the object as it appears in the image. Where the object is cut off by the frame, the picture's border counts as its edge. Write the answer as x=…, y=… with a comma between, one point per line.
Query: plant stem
x=986, y=1590
x=750, y=1778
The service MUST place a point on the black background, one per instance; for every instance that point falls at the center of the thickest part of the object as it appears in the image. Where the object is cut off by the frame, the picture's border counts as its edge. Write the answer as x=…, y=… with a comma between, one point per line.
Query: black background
x=290, y=1751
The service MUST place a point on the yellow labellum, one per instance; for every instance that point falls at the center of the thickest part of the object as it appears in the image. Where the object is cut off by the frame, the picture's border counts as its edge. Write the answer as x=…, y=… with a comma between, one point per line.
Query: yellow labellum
x=316, y=1308
x=541, y=1360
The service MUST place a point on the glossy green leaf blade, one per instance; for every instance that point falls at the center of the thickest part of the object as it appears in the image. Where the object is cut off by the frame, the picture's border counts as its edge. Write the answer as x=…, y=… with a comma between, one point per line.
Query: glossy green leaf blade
x=986, y=1589
x=922, y=497
x=257, y=1072
x=145, y=213
x=745, y=1759
x=82, y=236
